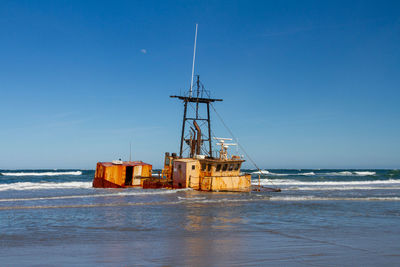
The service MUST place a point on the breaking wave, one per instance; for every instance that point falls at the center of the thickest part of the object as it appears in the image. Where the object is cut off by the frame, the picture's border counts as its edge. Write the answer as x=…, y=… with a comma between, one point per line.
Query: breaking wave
x=343, y=183
x=40, y=173
x=48, y=185
x=339, y=188
x=349, y=173
x=117, y=194
x=342, y=173
x=206, y=201
x=365, y=173
x=261, y=172
x=307, y=173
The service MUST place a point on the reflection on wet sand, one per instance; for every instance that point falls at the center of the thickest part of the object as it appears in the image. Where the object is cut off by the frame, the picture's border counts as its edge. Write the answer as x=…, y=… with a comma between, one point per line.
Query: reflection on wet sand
x=199, y=229
x=206, y=237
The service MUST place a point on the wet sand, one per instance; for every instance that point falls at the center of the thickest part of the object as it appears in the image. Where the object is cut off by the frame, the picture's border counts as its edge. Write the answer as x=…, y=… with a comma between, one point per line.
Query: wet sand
x=190, y=228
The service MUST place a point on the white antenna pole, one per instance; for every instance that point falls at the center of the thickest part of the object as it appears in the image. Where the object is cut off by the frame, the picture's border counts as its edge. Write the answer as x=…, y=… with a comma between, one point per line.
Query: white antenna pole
x=194, y=57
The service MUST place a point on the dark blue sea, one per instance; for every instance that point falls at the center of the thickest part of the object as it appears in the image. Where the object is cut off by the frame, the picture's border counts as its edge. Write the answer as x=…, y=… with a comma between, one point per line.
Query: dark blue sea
x=320, y=218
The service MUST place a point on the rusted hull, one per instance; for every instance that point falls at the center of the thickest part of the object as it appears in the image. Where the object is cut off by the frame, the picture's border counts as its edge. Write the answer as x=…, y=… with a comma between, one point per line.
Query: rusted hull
x=102, y=183
x=154, y=183
x=229, y=184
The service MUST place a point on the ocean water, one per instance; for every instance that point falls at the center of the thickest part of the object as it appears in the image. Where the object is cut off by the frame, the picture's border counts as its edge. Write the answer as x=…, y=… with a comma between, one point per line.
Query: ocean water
x=321, y=218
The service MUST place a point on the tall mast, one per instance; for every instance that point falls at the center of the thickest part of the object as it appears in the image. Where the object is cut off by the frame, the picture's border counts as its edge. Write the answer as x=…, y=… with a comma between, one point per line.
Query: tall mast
x=194, y=57
x=199, y=129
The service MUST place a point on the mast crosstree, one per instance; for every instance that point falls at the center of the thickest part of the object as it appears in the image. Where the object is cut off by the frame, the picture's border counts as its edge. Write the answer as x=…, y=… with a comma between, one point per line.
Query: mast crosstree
x=196, y=137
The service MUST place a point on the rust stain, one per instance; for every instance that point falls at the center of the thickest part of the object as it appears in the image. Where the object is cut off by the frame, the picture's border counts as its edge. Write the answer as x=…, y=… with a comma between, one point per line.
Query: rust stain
x=124, y=174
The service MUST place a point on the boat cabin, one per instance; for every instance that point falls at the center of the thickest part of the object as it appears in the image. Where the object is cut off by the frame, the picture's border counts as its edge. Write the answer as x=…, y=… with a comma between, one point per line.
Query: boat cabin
x=119, y=174
x=210, y=174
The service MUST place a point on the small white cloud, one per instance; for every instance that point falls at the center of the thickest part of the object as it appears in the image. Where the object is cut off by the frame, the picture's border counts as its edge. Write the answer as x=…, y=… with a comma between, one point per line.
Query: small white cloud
x=144, y=51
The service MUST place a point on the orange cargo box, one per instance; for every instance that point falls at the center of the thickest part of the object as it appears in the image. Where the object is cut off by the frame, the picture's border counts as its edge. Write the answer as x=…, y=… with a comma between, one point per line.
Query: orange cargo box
x=120, y=174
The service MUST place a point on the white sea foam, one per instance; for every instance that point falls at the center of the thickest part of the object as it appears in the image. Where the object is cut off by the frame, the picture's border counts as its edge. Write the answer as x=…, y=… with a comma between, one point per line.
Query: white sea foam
x=41, y=173
x=340, y=188
x=301, y=198
x=48, y=185
x=274, y=181
x=342, y=173
x=365, y=173
x=345, y=173
x=126, y=192
x=261, y=172
x=207, y=201
x=307, y=183
x=313, y=198
x=349, y=173
x=281, y=174
x=62, y=185
x=307, y=173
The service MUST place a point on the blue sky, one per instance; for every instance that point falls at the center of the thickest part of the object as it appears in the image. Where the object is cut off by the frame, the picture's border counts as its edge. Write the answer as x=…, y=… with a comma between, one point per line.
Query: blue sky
x=306, y=84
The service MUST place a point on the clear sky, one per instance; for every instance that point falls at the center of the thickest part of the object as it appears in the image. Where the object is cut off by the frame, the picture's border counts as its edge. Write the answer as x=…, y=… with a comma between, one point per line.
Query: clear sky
x=306, y=84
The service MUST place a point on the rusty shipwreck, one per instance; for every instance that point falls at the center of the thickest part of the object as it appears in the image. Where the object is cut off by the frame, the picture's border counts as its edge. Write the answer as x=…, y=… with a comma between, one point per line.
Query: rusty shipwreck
x=196, y=166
